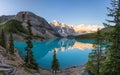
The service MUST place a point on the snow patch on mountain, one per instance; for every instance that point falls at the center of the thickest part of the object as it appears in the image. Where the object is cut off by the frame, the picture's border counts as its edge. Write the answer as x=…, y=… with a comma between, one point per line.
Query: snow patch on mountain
x=67, y=30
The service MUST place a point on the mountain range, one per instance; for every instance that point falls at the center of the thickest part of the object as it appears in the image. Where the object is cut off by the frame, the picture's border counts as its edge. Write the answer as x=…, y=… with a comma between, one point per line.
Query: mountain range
x=41, y=28
x=74, y=30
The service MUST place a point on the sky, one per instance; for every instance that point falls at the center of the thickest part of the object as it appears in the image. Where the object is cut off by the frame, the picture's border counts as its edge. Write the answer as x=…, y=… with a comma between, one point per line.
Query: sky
x=73, y=12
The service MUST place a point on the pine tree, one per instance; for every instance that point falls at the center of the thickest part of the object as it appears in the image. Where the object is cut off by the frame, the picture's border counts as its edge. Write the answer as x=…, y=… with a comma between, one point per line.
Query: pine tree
x=3, y=39
x=111, y=65
x=11, y=44
x=96, y=56
x=55, y=63
x=29, y=59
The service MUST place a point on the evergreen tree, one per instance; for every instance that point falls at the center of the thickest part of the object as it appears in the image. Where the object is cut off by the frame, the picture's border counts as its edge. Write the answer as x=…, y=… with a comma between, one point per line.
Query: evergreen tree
x=3, y=39
x=11, y=44
x=29, y=59
x=111, y=65
x=55, y=63
x=96, y=56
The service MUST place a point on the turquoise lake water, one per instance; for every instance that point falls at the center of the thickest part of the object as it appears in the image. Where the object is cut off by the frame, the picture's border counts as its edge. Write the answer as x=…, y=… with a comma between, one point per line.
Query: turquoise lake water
x=69, y=52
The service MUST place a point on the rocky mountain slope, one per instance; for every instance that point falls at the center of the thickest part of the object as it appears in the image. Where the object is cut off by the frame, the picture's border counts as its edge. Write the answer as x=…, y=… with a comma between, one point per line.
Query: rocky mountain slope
x=74, y=30
x=5, y=18
x=63, y=29
x=40, y=27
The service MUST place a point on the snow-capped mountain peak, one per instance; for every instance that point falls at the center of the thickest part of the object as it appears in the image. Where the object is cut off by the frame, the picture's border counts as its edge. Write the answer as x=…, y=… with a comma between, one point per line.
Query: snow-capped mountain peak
x=55, y=22
x=66, y=30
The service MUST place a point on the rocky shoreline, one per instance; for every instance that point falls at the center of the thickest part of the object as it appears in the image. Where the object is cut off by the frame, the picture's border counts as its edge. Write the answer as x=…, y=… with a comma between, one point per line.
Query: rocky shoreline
x=17, y=61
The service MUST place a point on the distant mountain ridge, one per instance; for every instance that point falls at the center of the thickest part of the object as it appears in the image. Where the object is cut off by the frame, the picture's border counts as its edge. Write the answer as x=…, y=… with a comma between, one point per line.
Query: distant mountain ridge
x=4, y=18
x=41, y=28
x=63, y=29
x=73, y=29
x=83, y=28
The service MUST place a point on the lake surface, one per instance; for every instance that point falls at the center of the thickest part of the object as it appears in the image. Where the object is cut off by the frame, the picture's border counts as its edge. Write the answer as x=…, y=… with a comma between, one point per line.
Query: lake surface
x=69, y=52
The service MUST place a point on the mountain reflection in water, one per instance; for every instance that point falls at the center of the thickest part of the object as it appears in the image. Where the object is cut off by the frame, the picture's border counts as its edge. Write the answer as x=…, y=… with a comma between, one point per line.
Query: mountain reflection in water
x=70, y=52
